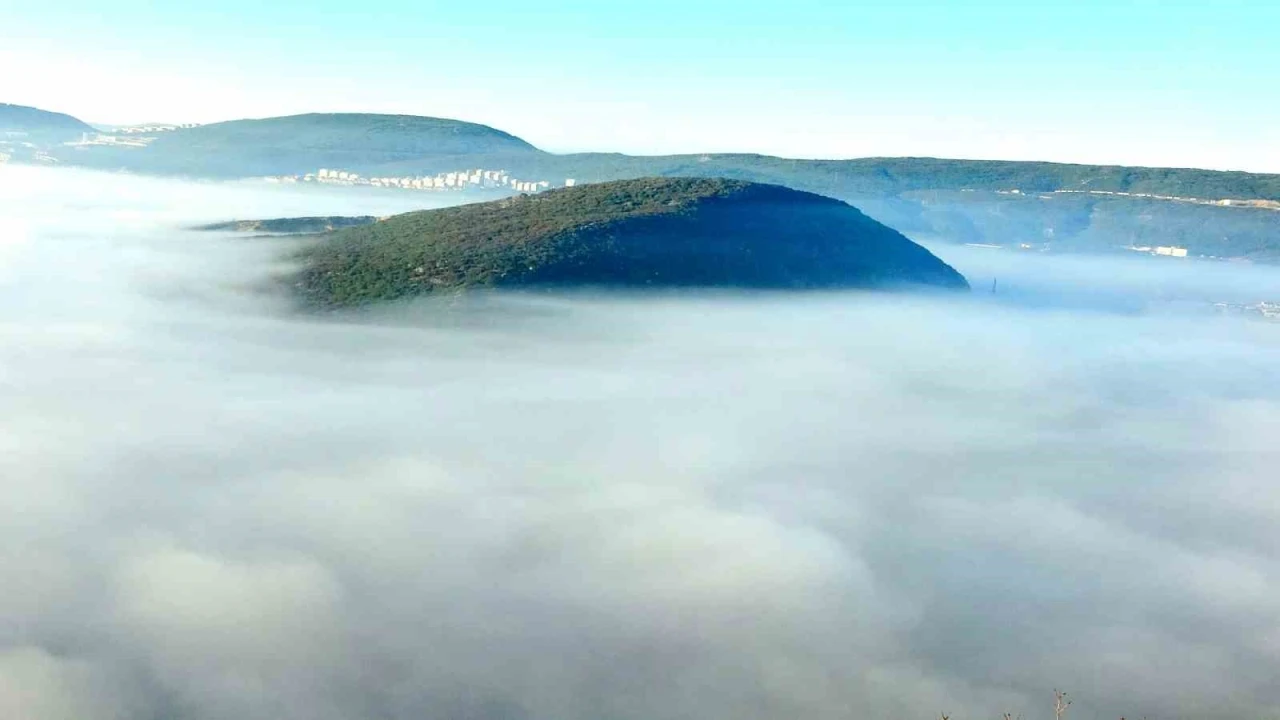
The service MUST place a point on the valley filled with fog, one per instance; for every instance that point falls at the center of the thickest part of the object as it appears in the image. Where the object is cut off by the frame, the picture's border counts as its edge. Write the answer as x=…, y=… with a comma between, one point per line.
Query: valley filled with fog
x=575, y=507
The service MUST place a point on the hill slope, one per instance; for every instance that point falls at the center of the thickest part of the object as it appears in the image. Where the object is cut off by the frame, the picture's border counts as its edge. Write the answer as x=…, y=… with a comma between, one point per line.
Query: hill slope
x=655, y=232
x=291, y=226
x=955, y=200
x=304, y=143
x=408, y=144
x=1062, y=207
x=23, y=119
x=880, y=177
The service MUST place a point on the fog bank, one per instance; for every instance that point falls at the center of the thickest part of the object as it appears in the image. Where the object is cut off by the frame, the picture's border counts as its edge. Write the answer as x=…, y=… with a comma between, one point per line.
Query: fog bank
x=567, y=507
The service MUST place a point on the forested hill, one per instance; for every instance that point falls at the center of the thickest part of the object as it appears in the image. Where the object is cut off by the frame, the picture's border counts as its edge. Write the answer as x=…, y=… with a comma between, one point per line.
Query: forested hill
x=399, y=145
x=23, y=119
x=1049, y=206
x=304, y=143
x=1052, y=206
x=654, y=232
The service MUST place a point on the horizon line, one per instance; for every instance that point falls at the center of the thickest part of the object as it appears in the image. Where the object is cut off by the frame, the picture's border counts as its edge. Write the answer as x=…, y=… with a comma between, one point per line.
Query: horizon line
x=720, y=153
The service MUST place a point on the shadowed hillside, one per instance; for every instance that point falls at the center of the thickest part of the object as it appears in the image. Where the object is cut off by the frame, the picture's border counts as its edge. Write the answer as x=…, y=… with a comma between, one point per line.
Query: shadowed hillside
x=656, y=232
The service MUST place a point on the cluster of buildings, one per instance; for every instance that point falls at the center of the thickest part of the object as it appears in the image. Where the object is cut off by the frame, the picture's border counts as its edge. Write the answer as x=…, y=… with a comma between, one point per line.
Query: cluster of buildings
x=460, y=180
x=152, y=129
x=1265, y=310
x=11, y=147
x=1166, y=251
x=1264, y=204
x=89, y=140
x=135, y=136
x=24, y=152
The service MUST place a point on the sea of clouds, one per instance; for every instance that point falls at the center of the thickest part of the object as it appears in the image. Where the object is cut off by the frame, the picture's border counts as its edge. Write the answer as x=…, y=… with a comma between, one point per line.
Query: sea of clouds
x=571, y=507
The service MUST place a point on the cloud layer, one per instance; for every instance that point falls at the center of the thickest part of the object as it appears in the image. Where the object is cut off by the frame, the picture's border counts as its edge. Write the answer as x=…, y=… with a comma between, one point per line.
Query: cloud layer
x=532, y=507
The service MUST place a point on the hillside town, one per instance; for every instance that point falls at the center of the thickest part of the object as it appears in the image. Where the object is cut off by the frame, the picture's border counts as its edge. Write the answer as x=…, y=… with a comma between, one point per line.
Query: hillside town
x=1265, y=310
x=458, y=180
x=1225, y=202
x=154, y=128
x=1232, y=203
x=136, y=136
x=1161, y=250
x=16, y=151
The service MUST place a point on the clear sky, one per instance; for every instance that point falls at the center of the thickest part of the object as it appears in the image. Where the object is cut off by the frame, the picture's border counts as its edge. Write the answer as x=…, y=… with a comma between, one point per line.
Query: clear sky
x=1156, y=82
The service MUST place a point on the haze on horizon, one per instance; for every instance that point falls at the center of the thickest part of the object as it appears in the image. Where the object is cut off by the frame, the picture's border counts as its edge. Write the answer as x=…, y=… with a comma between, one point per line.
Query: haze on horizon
x=1135, y=82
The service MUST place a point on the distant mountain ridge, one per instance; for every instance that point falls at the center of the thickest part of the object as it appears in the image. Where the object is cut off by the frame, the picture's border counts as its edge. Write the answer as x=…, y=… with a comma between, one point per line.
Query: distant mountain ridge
x=24, y=119
x=299, y=144
x=1018, y=204
x=406, y=144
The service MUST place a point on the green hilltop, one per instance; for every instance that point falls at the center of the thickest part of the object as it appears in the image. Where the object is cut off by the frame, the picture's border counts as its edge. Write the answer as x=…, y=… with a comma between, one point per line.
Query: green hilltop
x=653, y=232
x=1059, y=207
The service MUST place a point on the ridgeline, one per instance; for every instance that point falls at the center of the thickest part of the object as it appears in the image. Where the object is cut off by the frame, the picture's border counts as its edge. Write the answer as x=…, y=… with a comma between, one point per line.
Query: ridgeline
x=304, y=143
x=1045, y=206
x=40, y=124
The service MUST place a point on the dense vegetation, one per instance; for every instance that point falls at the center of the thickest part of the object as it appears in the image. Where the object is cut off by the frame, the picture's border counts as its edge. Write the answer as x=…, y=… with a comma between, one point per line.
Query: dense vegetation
x=956, y=200
x=297, y=225
x=647, y=232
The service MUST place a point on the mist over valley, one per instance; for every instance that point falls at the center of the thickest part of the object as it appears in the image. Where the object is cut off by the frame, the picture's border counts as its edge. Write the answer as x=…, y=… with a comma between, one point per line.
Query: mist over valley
x=648, y=505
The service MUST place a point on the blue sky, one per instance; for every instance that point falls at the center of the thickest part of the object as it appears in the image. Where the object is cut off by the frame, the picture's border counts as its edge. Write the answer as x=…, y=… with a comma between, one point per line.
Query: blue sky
x=1126, y=81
